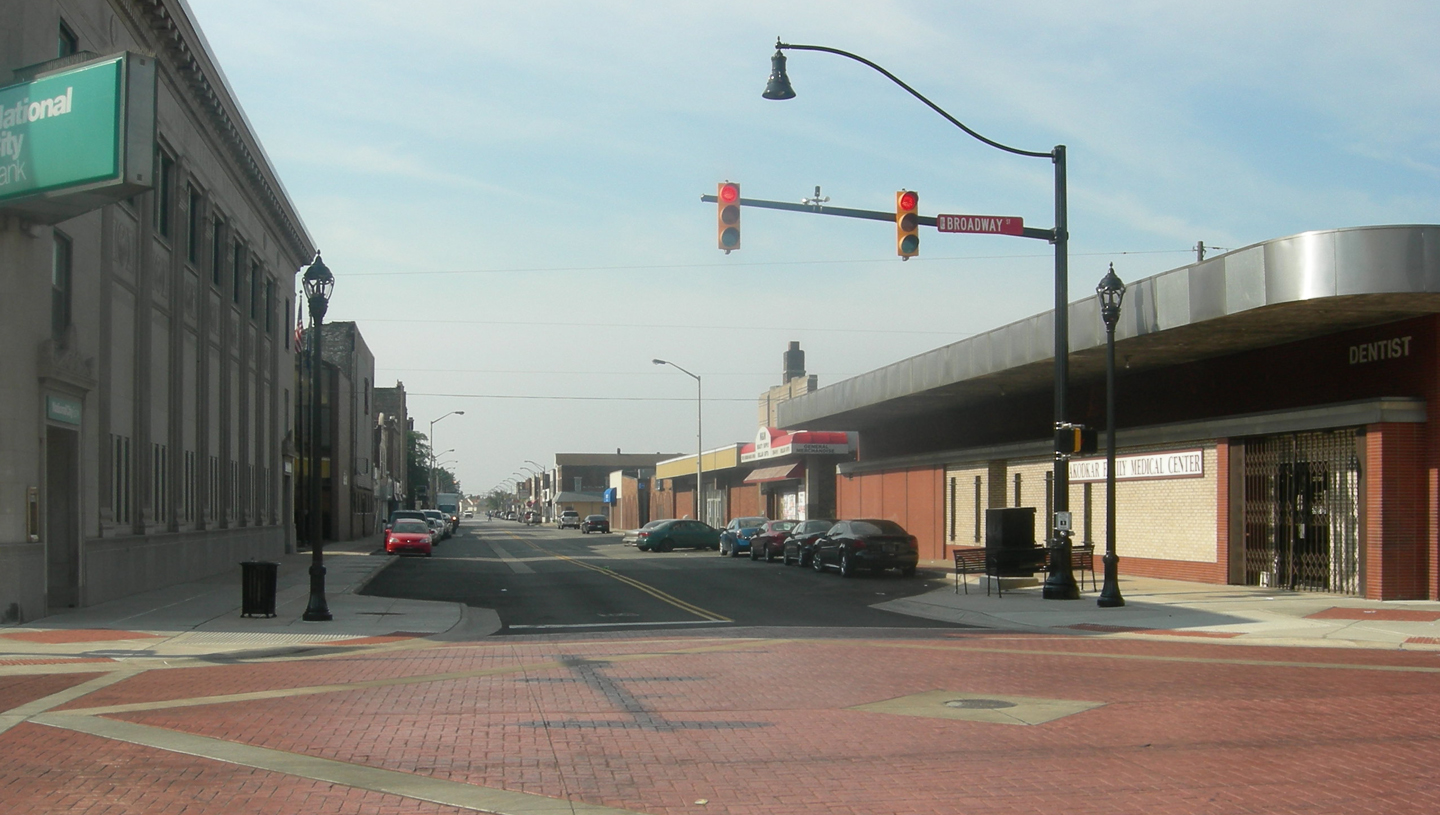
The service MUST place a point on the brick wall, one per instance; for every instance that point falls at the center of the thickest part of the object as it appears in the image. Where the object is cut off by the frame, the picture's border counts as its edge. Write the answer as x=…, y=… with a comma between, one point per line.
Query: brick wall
x=1396, y=529
x=911, y=498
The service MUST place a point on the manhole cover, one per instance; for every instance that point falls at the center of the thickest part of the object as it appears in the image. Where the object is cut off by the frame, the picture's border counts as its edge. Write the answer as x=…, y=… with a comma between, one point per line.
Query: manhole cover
x=979, y=704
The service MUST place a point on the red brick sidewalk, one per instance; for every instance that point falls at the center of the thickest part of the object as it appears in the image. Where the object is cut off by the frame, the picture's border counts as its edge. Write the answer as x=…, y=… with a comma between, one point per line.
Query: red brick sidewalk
x=656, y=725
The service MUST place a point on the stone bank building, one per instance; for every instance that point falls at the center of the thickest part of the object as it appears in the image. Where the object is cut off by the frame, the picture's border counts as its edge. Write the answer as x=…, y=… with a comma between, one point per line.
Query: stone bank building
x=146, y=391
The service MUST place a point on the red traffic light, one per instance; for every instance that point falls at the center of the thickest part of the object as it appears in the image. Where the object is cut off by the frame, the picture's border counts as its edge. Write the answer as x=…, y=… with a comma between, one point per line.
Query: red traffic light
x=729, y=193
x=907, y=224
x=908, y=201
x=727, y=216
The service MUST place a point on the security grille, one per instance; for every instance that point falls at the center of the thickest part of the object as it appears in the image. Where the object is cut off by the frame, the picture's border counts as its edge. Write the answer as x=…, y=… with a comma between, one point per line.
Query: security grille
x=1302, y=512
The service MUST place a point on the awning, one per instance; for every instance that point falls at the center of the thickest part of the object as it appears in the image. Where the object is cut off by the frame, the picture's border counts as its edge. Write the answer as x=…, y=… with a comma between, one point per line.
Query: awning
x=783, y=472
x=610, y=495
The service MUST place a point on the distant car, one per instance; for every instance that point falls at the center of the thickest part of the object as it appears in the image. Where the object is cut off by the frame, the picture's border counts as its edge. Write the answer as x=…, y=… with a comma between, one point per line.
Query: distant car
x=442, y=518
x=595, y=523
x=469, y=514
x=568, y=518
x=868, y=543
x=736, y=537
x=409, y=535
x=632, y=538
x=399, y=514
x=663, y=536
x=801, y=543
x=769, y=541
x=532, y=517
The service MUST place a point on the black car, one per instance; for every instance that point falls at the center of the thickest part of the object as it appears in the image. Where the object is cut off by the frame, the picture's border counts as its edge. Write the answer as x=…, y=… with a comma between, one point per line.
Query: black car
x=595, y=523
x=867, y=543
x=801, y=543
x=413, y=514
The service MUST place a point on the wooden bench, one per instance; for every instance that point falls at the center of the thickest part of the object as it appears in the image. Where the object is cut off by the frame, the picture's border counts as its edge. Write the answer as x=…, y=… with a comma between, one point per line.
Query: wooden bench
x=978, y=560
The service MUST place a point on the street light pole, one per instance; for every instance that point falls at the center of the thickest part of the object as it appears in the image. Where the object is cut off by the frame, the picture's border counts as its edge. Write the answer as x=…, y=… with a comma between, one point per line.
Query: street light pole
x=699, y=429
x=1060, y=583
x=319, y=282
x=1112, y=292
x=432, y=480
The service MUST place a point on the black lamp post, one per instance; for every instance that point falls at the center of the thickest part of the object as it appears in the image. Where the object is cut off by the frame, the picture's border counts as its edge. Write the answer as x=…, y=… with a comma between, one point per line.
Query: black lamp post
x=318, y=284
x=1111, y=291
x=1060, y=584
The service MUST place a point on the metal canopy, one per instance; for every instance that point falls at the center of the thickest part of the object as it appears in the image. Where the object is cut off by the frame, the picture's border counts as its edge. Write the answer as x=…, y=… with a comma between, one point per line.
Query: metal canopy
x=1279, y=291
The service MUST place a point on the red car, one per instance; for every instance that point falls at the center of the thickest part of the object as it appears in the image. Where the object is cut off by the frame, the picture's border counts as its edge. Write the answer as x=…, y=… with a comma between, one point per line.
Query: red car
x=407, y=535
x=769, y=541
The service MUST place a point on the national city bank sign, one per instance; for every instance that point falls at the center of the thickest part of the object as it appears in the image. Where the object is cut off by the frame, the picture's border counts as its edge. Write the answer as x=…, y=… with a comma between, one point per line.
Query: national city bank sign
x=69, y=130
x=1169, y=464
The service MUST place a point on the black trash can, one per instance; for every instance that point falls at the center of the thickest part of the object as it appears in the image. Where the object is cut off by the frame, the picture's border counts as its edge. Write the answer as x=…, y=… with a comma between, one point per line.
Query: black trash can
x=257, y=588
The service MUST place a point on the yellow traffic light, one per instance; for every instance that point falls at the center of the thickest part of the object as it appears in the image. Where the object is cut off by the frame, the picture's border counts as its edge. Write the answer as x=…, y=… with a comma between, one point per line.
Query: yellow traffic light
x=907, y=224
x=727, y=216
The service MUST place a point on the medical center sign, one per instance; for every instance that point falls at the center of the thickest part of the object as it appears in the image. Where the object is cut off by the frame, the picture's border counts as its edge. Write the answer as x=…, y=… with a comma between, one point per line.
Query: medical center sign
x=1169, y=464
x=70, y=131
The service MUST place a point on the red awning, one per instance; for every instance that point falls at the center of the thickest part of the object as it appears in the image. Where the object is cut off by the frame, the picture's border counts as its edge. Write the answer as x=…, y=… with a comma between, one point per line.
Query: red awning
x=783, y=472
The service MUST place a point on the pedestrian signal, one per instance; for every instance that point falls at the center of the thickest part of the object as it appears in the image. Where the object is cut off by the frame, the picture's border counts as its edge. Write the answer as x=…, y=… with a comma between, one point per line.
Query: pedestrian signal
x=1075, y=439
x=727, y=216
x=907, y=224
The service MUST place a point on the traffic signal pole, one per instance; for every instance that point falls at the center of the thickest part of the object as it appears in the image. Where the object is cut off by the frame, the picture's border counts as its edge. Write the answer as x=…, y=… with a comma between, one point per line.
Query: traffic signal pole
x=1046, y=235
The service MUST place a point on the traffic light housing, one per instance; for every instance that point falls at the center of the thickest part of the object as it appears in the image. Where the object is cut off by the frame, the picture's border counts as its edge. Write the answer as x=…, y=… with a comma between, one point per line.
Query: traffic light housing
x=1076, y=439
x=907, y=224
x=727, y=216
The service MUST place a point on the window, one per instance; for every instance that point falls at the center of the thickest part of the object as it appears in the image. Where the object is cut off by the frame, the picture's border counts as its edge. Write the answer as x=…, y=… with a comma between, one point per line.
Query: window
x=120, y=478
x=160, y=482
x=212, y=500
x=164, y=205
x=60, y=287
x=239, y=272
x=255, y=279
x=269, y=306
x=189, y=496
x=217, y=250
x=69, y=43
x=192, y=226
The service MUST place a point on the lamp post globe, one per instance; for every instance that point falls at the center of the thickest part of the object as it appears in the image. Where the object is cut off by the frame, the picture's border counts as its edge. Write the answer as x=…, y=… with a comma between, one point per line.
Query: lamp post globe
x=1111, y=292
x=318, y=282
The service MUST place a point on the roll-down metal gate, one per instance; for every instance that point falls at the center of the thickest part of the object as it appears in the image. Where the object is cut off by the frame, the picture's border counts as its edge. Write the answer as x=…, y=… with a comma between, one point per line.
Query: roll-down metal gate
x=1302, y=512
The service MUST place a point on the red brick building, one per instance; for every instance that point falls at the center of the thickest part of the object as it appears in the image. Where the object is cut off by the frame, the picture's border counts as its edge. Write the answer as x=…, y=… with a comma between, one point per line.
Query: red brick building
x=1274, y=414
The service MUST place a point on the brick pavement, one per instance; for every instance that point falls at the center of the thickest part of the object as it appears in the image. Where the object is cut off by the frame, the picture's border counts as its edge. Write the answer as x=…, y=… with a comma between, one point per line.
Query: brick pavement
x=763, y=724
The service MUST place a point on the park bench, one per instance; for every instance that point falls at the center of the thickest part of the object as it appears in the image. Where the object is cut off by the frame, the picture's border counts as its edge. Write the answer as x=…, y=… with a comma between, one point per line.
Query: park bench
x=1003, y=563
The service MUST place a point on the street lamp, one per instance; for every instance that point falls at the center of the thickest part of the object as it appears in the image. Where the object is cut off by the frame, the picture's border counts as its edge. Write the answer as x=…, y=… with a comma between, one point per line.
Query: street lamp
x=1111, y=291
x=434, y=484
x=318, y=282
x=1060, y=584
x=699, y=414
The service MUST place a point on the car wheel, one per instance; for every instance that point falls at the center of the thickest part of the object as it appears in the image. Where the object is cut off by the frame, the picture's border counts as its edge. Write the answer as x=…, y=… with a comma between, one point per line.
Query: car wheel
x=753, y=554
x=734, y=552
x=847, y=569
x=785, y=559
x=816, y=563
x=769, y=555
x=721, y=548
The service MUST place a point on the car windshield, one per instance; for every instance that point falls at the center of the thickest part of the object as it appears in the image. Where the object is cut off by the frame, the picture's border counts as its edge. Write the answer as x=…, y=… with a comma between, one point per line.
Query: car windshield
x=818, y=525
x=594, y=517
x=875, y=527
x=433, y=513
x=746, y=523
x=410, y=527
x=784, y=526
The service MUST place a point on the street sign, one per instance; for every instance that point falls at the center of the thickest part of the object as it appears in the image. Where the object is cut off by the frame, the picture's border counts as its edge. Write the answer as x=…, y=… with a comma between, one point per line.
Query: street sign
x=983, y=224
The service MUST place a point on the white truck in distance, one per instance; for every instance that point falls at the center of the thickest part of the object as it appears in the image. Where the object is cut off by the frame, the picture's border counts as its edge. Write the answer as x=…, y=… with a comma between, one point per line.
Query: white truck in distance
x=449, y=503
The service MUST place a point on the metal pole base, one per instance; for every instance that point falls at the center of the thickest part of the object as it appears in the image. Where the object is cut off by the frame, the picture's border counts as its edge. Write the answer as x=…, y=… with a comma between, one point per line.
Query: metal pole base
x=1060, y=583
x=318, y=611
x=1110, y=591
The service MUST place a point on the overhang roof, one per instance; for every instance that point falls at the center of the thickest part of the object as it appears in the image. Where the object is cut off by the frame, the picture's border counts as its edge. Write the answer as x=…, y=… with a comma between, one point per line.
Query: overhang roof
x=1279, y=291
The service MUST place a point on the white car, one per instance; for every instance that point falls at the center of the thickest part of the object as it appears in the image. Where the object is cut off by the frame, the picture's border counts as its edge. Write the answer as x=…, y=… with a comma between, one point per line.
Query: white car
x=569, y=518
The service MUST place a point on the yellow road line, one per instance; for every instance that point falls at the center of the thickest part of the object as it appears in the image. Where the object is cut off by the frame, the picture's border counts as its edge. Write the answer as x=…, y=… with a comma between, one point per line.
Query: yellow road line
x=633, y=583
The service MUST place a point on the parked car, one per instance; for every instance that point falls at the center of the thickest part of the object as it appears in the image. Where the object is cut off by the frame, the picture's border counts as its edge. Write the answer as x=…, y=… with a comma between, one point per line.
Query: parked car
x=595, y=523
x=409, y=535
x=399, y=514
x=736, y=537
x=801, y=543
x=632, y=538
x=469, y=514
x=868, y=543
x=442, y=519
x=662, y=536
x=569, y=518
x=769, y=541
x=532, y=518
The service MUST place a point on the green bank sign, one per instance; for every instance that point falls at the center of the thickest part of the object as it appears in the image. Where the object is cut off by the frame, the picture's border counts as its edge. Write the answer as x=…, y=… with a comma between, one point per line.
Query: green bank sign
x=79, y=137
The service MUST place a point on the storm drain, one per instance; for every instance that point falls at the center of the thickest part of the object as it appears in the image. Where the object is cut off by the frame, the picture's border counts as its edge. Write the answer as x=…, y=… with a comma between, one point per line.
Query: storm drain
x=977, y=707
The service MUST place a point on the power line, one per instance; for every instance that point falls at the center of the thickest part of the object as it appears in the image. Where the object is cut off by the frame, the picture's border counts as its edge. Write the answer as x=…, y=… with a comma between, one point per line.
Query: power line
x=594, y=373
x=731, y=327
x=576, y=398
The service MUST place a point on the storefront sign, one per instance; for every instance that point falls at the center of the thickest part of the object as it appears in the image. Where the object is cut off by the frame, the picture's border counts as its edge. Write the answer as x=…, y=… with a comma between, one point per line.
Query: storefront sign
x=60, y=409
x=1170, y=464
x=1393, y=348
x=88, y=129
x=772, y=443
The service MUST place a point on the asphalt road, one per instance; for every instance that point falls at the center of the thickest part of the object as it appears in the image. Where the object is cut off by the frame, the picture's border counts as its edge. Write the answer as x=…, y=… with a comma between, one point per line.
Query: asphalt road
x=540, y=579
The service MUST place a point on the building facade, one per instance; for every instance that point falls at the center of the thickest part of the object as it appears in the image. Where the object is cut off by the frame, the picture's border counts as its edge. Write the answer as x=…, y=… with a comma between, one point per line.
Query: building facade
x=392, y=417
x=146, y=399
x=1276, y=410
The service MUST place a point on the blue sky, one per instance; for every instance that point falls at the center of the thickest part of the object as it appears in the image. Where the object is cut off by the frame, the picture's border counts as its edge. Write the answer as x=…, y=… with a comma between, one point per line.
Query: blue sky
x=508, y=192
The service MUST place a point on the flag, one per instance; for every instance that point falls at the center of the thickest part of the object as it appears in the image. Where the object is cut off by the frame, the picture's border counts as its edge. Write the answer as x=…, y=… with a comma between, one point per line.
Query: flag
x=299, y=327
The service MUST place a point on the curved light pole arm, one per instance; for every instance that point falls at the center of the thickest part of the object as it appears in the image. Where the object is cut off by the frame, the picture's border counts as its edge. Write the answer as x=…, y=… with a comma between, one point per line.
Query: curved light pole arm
x=780, y=46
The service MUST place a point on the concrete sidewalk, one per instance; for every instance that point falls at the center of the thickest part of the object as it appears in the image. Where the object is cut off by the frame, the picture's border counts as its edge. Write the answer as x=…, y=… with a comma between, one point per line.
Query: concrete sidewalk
x=1171, y=608
x=202, y=618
